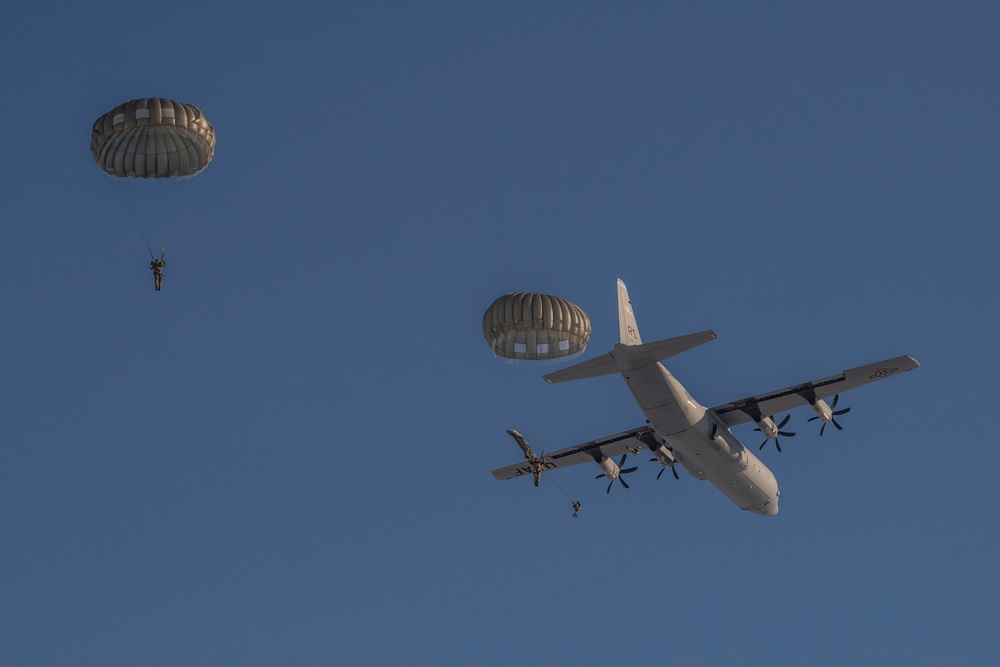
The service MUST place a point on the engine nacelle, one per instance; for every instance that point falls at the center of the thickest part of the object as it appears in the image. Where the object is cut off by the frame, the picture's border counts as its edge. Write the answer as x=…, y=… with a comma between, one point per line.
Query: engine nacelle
x=822, y=410
x=659, y=448
x=768, y=428
x=610, y=468
x=664, y=456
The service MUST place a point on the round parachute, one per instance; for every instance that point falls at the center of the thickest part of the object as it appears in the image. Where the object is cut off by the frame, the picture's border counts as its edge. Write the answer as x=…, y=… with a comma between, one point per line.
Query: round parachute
x=153, y=138
x=521, y=325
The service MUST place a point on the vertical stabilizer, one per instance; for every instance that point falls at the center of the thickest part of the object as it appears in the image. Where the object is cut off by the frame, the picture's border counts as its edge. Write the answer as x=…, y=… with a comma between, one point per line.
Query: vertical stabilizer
x=627, y=328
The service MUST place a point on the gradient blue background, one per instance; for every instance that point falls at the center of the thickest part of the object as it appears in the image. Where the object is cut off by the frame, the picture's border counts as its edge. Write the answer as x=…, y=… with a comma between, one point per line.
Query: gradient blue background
x=282, y=458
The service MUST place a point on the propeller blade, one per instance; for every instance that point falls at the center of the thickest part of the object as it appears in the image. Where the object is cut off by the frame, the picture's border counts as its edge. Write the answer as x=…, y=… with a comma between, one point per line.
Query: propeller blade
x=839, y=427
x=821, y=429
x=673, y=469
x=784, y=421
x=842, y=412
x=776, y=444
x=812, y=419
x=787, y=434
x=836, y=397
x=762, y=445
x=621, y=471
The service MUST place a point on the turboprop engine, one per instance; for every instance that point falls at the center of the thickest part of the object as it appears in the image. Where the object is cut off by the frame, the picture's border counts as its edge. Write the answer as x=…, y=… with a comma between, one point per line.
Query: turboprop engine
x=614, y=470
x=828, y=413
x=666, y=459
x=771, y=430
x=660, y=450
x=610, y=468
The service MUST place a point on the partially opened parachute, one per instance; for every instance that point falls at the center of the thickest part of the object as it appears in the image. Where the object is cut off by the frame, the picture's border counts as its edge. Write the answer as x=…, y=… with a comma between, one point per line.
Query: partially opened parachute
x=521, y=325
x=153, y=137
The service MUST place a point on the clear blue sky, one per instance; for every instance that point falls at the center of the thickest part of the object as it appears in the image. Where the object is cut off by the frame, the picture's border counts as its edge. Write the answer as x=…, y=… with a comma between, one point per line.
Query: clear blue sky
x=282, y=458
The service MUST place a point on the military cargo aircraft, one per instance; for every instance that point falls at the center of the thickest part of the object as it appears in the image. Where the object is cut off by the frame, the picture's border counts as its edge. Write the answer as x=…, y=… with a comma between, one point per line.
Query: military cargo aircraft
x=679, y=430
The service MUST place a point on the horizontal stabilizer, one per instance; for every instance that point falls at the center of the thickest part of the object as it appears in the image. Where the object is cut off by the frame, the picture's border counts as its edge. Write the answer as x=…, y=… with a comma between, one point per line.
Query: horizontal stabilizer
x=602, y=365
x=631, y=356
x=668, y=347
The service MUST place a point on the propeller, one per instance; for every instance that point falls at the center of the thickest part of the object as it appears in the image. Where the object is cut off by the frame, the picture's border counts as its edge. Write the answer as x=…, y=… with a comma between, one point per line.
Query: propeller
x=835, y=413
x=787, y=434
x=672, y=469
x=621, y=471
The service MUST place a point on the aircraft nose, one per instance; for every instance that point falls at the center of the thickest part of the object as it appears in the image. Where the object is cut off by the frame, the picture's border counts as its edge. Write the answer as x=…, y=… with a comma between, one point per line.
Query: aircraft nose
x=771, y=507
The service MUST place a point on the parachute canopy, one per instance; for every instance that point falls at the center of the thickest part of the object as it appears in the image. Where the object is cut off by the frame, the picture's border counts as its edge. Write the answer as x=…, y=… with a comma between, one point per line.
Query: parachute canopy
x=521, y=325
x=153, y=138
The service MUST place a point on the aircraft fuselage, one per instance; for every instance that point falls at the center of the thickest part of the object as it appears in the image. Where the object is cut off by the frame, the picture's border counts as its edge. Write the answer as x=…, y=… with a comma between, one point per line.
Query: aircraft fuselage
x=686, y=428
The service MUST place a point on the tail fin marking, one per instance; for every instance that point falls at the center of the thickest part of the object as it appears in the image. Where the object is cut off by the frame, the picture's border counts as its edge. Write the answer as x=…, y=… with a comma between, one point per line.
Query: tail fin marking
x=627, y=328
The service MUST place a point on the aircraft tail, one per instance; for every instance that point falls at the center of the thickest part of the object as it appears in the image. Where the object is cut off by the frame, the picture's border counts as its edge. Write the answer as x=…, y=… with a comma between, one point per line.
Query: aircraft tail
x=627, y=328
x=636, y=354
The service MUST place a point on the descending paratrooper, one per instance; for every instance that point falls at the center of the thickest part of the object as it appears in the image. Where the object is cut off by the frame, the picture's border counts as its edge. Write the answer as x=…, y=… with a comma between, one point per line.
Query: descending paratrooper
x=152, y=139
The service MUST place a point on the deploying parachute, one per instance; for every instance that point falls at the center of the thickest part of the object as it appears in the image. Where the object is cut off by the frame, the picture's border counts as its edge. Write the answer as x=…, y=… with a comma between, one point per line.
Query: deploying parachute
x=521, y=325
x=533, y=328
x=153, y=137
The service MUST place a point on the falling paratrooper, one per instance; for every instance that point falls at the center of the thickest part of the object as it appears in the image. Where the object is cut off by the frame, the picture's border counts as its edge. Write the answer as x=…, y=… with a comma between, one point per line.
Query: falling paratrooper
x=537, y=464
x=153, y=138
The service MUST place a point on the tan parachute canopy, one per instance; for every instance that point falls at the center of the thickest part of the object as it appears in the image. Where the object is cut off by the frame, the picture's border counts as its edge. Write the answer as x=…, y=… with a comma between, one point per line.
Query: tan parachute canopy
x=521, y=325
x=153, y=138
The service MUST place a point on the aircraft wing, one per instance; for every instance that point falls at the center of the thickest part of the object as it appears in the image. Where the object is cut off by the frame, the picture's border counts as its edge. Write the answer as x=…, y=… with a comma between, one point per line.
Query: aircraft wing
x=772, y=403
x=588, y=452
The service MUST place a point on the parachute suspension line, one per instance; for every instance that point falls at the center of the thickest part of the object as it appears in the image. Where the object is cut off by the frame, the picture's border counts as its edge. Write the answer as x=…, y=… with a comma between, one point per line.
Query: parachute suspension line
x=129, y=206
x=552, y=479
x=145, y=240
x=174, y=215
